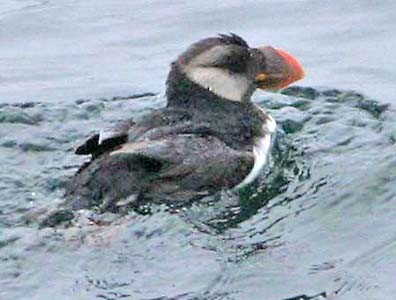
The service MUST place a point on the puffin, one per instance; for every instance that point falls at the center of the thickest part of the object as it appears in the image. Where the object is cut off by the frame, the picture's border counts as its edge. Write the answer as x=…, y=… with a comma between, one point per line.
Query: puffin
x=208, y=137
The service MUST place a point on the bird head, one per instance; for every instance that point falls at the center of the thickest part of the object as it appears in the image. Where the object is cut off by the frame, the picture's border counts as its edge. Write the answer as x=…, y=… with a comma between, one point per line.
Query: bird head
x=229, y=68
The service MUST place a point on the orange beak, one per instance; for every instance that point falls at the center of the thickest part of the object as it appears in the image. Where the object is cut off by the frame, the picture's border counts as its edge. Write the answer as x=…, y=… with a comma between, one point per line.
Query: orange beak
x=282, y=69
x=296, y=71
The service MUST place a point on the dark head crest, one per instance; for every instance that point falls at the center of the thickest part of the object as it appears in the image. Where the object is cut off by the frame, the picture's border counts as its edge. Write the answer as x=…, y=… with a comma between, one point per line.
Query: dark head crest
x=233, y=39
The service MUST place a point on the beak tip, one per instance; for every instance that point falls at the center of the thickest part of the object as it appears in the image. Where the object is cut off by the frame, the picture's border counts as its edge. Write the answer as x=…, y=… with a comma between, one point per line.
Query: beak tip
x=296, y=69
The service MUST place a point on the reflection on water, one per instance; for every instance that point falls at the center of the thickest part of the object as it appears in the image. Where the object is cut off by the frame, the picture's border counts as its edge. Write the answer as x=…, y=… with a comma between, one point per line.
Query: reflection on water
x=318, y=223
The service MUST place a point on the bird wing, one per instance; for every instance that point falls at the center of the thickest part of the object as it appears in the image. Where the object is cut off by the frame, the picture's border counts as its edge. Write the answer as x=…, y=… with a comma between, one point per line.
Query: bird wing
x=106, y=140
x=175, y=168
x=115, y=135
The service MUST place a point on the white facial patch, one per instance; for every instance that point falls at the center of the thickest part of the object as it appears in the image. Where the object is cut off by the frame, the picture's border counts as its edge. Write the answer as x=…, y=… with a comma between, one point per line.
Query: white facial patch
x=220, y=82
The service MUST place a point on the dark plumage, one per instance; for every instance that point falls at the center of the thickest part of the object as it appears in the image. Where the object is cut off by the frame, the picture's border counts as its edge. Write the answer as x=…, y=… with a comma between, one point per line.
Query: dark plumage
x=233, y=39
x=200, y=143
x=210, y=131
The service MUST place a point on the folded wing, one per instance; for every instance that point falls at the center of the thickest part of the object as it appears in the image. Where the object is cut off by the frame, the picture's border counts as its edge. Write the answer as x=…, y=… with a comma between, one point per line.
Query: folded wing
x=175, y=169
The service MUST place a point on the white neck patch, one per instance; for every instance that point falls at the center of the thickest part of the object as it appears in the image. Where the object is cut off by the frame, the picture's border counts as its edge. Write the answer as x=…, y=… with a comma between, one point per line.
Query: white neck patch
x=219, y=82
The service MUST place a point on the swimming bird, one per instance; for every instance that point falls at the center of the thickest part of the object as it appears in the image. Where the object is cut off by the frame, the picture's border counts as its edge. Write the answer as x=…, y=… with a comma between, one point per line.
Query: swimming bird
x=210, y=135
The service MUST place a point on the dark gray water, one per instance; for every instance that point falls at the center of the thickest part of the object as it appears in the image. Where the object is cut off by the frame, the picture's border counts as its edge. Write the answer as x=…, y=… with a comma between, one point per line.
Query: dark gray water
x=319, y=224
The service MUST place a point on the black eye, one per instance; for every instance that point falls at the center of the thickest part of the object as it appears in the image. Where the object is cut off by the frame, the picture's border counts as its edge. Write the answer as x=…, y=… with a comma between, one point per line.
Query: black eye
x=256, y=54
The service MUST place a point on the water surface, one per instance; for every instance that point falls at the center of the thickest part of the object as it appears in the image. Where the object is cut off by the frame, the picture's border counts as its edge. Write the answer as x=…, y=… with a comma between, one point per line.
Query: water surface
x=318, y=224
x=63, y=50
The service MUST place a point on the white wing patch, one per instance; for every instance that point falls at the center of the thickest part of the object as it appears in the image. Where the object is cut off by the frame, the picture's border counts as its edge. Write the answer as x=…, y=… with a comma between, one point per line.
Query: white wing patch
x=261, y=149
x=104, y=135
x=109, y=133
